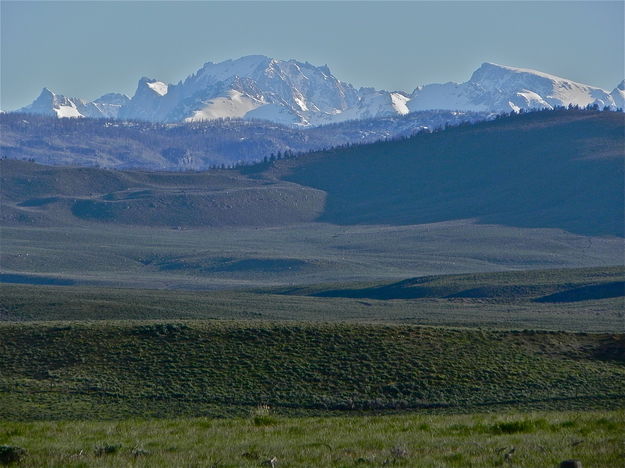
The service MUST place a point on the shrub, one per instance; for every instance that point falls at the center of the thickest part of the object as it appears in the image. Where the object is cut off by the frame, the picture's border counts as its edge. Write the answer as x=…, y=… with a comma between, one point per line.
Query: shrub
x=10, y=454
x=261, y=416
x=107, y=449
x=513, y=427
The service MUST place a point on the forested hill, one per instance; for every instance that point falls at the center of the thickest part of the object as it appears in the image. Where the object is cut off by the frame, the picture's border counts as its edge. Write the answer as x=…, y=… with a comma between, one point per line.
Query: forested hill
x=558, y=169
x=195, y=146
x=552, y=169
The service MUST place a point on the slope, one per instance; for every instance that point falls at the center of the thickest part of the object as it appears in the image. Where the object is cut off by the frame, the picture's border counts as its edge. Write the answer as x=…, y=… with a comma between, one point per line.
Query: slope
x=559, y=169
x=572, y=299
x=41, y=195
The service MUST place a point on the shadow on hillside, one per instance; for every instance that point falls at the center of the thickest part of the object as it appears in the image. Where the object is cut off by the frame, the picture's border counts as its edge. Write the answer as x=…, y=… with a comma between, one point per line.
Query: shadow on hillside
x=587, y=293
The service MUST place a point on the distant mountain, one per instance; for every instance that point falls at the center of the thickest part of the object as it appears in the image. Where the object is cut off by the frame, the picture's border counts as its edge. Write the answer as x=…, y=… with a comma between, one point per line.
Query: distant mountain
x=57, y=105
x=534, y=170
x=498, y=88
x=300, y=94
x=618, y=95
x=257, y=87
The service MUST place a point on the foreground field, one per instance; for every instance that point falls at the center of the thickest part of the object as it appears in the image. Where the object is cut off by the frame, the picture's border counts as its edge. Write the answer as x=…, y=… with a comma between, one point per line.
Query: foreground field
x=531, y=440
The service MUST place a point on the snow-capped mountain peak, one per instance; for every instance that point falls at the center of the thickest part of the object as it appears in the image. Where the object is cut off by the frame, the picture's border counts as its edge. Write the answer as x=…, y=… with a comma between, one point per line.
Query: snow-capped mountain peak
x=49, y=103
x=618, y=95
x=502, y=88
x=301, y=94
x=115, y=99
x=493, y=72
x=255, y=86
x=242, y=67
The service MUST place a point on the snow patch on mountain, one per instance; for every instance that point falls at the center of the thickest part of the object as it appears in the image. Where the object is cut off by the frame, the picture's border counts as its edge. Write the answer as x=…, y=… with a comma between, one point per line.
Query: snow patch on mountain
x=278, y=114
x=234, y=105
x=69, y=110
x=399, y=102
x=618, y=95
x=158, y=87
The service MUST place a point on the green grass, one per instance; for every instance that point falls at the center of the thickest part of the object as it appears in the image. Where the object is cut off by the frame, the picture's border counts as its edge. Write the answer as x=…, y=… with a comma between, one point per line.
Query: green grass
x=115, y=370
x=539, y=439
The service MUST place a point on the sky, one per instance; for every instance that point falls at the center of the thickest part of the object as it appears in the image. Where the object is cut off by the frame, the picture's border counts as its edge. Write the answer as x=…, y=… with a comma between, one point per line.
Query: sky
x=88, y=48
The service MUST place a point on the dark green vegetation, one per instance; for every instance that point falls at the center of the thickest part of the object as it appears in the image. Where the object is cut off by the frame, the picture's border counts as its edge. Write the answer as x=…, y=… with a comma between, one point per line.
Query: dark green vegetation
x=111, y=370
x=548, y=300
x=539, y=440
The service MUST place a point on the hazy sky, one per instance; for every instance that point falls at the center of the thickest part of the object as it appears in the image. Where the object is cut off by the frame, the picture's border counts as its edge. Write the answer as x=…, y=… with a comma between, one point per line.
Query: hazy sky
x=85, y=49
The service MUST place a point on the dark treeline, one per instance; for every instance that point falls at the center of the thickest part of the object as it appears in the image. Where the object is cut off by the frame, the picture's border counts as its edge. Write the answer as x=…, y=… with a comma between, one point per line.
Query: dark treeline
x=522, y=114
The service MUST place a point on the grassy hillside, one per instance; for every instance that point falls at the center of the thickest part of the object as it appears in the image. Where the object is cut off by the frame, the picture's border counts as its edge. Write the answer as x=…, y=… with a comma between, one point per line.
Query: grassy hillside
x=41, y=195
x=559, y=169
x=538, y=439
x=104, y=370
x=515, y=300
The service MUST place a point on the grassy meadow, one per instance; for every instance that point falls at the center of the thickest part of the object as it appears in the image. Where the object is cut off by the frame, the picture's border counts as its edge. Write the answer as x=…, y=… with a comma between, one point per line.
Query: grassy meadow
x=528, y=440
x=471, y=370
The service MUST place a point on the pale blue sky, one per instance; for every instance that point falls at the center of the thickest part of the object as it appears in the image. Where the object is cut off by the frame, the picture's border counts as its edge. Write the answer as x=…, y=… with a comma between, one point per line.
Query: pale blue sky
x=86, y=49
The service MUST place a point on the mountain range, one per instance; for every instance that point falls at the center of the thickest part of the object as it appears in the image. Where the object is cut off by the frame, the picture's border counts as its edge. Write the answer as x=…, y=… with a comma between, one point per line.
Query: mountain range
x=300, y=94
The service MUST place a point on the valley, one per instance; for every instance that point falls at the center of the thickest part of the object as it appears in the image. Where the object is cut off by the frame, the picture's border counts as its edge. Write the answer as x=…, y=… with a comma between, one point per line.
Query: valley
x=450, y=279
x=312, y=234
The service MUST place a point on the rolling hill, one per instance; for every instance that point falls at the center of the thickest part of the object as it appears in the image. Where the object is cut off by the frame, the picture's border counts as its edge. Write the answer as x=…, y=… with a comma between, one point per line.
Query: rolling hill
x=571, y=299
x=551, y=169
x=34, y=194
